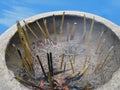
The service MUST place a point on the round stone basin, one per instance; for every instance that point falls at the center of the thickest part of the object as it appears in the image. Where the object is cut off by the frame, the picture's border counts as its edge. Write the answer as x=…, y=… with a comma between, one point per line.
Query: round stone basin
x=85, y=52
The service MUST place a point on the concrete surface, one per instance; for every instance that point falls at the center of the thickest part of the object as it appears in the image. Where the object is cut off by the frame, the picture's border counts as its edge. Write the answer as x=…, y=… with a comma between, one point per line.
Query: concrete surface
x=7, y=81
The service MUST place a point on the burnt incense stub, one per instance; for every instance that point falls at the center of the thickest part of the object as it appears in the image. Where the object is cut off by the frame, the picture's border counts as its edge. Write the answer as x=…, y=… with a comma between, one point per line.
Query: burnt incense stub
x=63, y=52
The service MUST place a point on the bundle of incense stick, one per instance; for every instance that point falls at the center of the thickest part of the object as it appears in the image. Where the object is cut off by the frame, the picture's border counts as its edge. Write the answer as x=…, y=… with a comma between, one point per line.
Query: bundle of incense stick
x=24, y=43
x=50, y=67
x=24, y=62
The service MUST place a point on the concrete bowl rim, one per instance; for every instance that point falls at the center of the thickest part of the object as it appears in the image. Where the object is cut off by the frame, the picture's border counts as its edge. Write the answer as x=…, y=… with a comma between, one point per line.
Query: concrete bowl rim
x=12, y=30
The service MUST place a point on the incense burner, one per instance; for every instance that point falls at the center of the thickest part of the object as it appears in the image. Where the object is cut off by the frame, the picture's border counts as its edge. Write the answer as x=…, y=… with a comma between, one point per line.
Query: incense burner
x=61, y=49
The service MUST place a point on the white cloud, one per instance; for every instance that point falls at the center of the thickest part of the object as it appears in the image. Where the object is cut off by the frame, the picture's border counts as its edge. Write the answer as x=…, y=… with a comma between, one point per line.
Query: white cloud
x=16, y=13
x=18, y=10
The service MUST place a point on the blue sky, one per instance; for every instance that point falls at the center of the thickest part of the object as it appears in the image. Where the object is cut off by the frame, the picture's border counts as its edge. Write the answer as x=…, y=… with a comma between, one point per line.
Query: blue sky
x=13, y=10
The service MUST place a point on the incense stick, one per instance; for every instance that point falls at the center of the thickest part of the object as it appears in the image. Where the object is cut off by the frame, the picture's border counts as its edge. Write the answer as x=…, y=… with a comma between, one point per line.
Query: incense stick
x=61, y=26
x=48, y=59
x=100, y=47
x=50, y=81
x=41, y=66
x=62, y=60
x=73, y=31
x=84, y=70
x=31, y=30
x=99, y=41
x=88, y=87
x=27, y=38
x=51, y=63
x=100, y=66
x=71, y=64
x=67, y=30
x=30, y=67
x=46, y=28
x=64, y=67
x=50, y=66
x=54, y=26
x=89, y=40
x=106, y=56
x=84, y=33
x=74, y=56
x=41, y=29
x=81, y=73
x=27, y=82
x=102, y=76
